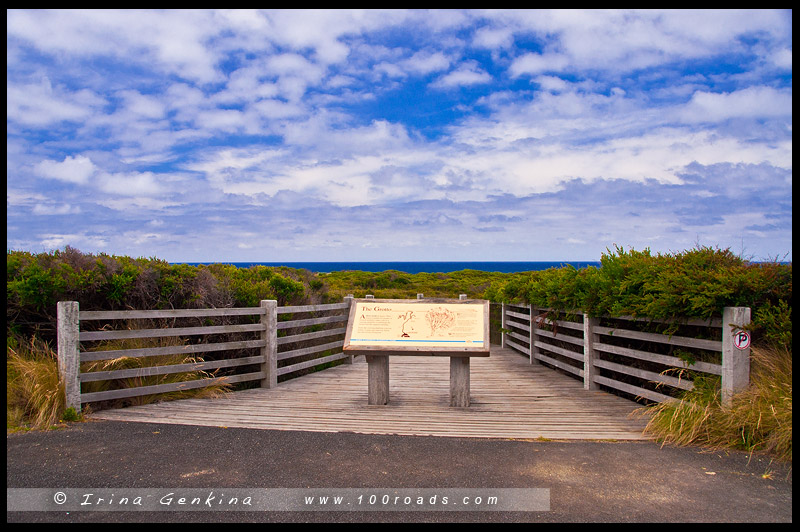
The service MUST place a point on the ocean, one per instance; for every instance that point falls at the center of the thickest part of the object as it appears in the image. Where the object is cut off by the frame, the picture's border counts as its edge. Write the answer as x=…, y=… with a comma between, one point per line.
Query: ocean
x=419, y=267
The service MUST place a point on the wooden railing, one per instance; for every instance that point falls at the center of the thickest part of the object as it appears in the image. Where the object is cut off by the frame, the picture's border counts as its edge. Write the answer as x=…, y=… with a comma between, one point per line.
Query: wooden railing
x=619, y=353
x=272, y=342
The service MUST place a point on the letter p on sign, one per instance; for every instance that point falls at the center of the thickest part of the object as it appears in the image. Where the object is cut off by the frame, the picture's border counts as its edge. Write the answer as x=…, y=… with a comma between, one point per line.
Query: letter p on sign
x=741, y=339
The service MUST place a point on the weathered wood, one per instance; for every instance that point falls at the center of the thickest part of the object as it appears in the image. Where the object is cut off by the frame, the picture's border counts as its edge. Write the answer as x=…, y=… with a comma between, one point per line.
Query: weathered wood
x=348, y=300
x=503, y=327
x=590, y=357
x=311, y=363
x=90, y=356
x=378, y=379
x=674, y=362
x=518, y=336
x=519, y=315
x=68, y=345
x=710, y=322
x=311, y=321
x=532, y=349
x=683, y=384
x=509, y=323
x=564, y=324
x=313, y=308
x=309, y=350
x=166, y=388
x=151, y=371
x=560, y=351
x=519, y=347
x=710, y=345
x=735, y=360
x=269, y=333
x=459, y=381
x=563, y=337
x=633, y=390
x=170, y=313
x=559, y=364
x=283, y=340
x=509, y=398
x=87, y=336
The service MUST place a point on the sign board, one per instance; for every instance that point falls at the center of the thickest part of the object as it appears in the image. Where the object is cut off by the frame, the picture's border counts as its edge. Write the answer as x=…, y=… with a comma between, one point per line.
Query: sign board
x=741, y=339
x=419, y=326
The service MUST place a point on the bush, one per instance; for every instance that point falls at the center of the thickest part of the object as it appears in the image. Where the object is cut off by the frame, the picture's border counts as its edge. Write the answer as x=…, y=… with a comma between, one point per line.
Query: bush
x=696, y=283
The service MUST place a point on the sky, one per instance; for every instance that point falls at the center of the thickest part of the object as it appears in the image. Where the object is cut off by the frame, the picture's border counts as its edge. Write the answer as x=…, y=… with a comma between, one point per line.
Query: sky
x=444, y=135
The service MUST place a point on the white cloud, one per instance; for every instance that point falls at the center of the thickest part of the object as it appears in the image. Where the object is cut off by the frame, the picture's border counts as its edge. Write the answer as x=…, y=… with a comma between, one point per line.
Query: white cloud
x=173, y=41
x=53, y=209
x=77, y=169
x=466, y=74
x=149, y=107
x=130, y=184
x=424, y=62
x=751, y=102
x=493, y=38
x=782, y=58
x=552, y=83
x=41, y=105
x=533, y=63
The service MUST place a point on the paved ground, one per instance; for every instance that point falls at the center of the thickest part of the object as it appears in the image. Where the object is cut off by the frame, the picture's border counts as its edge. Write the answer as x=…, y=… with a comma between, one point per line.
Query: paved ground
x=587, y=481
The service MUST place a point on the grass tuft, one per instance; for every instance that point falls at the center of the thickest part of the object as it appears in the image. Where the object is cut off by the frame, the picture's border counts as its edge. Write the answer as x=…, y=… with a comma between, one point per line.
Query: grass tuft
x=759, y=419
x=34, y=391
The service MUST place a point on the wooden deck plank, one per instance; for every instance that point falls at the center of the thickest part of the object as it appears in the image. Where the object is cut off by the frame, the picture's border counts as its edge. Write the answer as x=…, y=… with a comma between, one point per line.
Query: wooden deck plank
x=510, y=398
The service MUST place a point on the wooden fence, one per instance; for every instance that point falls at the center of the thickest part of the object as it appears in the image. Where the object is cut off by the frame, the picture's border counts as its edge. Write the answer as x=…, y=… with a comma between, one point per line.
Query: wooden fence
x=624, y=354
x=643, y=358
x=272, y=342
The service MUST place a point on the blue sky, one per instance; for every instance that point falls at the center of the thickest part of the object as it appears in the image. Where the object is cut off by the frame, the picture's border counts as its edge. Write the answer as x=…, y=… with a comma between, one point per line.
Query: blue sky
x=399, y=135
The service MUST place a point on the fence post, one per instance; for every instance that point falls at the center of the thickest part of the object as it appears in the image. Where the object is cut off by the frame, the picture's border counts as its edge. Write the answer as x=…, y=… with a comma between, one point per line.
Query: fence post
x=269, y=333
x=349, y=299
x=589, y=353
x=735, y=352
x=532, y=337
x=68, y=316
x=502, y=324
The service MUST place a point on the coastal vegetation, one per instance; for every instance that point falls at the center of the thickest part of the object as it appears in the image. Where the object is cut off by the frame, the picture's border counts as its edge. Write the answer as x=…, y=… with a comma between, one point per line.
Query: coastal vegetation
x=694, y=283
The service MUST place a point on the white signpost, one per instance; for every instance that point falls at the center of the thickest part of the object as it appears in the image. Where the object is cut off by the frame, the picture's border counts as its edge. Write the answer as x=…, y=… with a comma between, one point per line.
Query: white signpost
x=380, y=328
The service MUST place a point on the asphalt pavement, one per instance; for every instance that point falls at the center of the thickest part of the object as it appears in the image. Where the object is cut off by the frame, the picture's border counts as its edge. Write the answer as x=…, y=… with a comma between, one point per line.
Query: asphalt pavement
x=584, y=481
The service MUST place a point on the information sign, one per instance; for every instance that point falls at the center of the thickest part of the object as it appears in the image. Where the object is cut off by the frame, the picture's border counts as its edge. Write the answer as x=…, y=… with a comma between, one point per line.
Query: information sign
x=413, y=325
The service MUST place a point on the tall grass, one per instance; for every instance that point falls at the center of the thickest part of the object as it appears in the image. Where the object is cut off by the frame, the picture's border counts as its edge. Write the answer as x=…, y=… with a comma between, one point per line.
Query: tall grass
x=758, y=420
x=34, y=392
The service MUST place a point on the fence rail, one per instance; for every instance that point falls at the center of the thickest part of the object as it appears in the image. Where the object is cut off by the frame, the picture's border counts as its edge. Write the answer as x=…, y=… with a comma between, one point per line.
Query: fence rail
x=278, y=342
x=616, y=352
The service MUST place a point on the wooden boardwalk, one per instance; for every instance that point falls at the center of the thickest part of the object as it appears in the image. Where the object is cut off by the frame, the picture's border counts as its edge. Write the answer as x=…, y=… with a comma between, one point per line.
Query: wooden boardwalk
x=510, y=399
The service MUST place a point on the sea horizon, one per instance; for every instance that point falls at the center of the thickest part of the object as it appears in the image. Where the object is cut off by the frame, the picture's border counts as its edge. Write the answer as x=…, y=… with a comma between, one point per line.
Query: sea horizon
x=412, y=266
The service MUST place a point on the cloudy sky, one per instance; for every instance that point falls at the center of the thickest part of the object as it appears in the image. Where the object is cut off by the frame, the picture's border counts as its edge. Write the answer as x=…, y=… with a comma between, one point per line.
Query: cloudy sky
x=399, y=135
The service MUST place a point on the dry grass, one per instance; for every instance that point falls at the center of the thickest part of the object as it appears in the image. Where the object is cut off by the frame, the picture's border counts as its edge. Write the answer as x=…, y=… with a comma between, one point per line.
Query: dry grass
x=759, y=419
x=34, y=392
